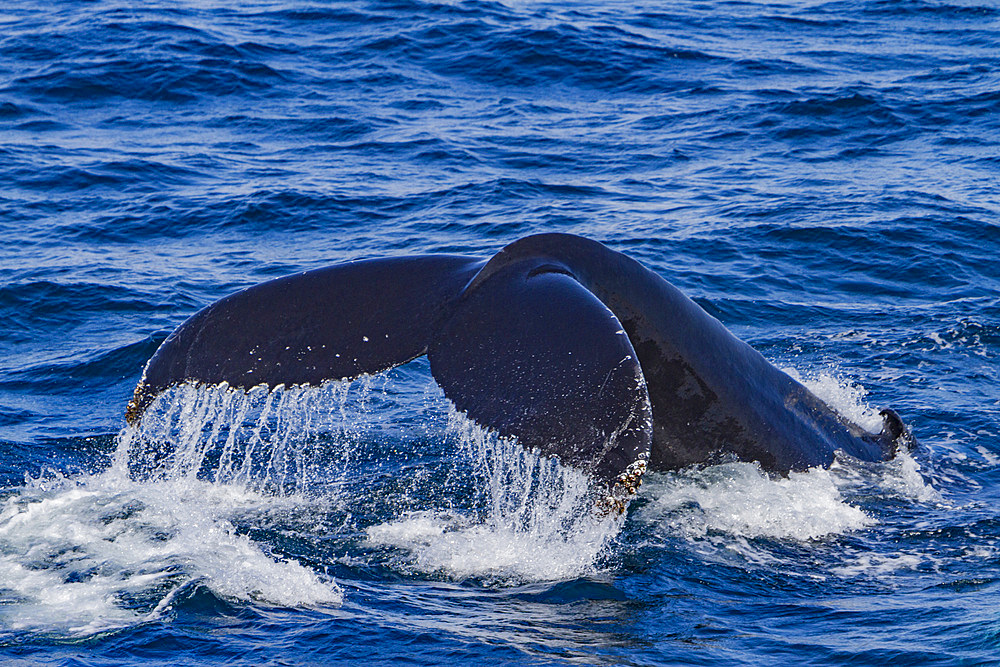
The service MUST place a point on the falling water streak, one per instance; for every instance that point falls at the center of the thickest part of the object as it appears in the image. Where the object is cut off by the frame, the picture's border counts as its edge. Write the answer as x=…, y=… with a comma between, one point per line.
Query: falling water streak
x=261, y=439
x=256, y=439
x=526, y=492
x=528, y=518
x=226, y=460
x=277, y=465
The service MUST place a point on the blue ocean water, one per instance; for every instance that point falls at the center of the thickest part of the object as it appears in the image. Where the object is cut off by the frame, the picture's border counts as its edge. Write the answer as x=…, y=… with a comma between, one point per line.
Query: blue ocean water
x=820, y=176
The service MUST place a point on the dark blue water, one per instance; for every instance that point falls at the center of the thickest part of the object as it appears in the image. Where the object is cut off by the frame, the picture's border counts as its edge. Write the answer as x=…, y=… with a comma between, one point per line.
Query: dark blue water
x=823, y=177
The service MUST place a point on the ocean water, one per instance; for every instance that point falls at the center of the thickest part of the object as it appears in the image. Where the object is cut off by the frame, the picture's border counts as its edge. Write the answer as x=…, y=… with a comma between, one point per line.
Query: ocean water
x=823, y=177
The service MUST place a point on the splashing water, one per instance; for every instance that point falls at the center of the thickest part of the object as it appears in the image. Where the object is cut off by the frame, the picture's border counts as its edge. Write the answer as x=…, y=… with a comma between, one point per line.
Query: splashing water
x=268, y=440
x=98, y=553
x=95, y=553
x=846, y=398
x=535, y=518
x=210, y=466
x=739, y=499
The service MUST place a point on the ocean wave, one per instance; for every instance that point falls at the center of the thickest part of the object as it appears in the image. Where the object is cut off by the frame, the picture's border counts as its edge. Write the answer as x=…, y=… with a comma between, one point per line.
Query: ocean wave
x=819, y=176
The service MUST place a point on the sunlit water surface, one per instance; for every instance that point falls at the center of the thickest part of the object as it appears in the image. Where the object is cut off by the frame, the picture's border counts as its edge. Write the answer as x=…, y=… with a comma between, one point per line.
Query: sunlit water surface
x=822, y=177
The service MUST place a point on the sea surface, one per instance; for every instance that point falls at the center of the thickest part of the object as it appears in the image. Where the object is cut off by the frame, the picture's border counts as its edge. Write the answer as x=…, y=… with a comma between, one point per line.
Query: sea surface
x=823, y=177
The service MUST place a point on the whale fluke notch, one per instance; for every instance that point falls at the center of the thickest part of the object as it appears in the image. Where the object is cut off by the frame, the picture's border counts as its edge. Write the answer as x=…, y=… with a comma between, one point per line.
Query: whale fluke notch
x=568, y=346
x=532, y=353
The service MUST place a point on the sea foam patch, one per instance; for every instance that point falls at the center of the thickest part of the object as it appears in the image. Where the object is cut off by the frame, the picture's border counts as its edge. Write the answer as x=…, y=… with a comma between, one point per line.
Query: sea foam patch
x=92, y=553
x=97, y=553
x=741, y=500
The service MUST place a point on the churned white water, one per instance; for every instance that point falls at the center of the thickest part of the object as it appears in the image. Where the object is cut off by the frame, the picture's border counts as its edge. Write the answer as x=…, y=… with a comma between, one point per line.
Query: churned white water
x=86, y=555
x=740, y=500
x=535, y=519
x=97, y=552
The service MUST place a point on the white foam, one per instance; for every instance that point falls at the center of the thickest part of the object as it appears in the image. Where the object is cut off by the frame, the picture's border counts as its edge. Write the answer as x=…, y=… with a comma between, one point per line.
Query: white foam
x=84, y=555
x=97, y=553
x=879, y=565
x=843, y=396
x=990, y=459
x=533, y=520
x=443, y=543
x=740, y=500
x=901, y=476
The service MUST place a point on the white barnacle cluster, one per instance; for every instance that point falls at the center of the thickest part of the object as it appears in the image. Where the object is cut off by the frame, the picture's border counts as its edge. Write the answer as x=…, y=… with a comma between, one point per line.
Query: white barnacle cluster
x=625, y=486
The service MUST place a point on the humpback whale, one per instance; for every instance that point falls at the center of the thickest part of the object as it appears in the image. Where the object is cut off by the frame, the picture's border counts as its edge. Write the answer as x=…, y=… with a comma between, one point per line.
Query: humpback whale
x=572, y=348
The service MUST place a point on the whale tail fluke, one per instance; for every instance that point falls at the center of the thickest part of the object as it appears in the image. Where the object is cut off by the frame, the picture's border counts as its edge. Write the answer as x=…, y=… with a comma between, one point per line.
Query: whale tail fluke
x=524, y=350
x=575, y=350
x=531, y=353
x=328, y=324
